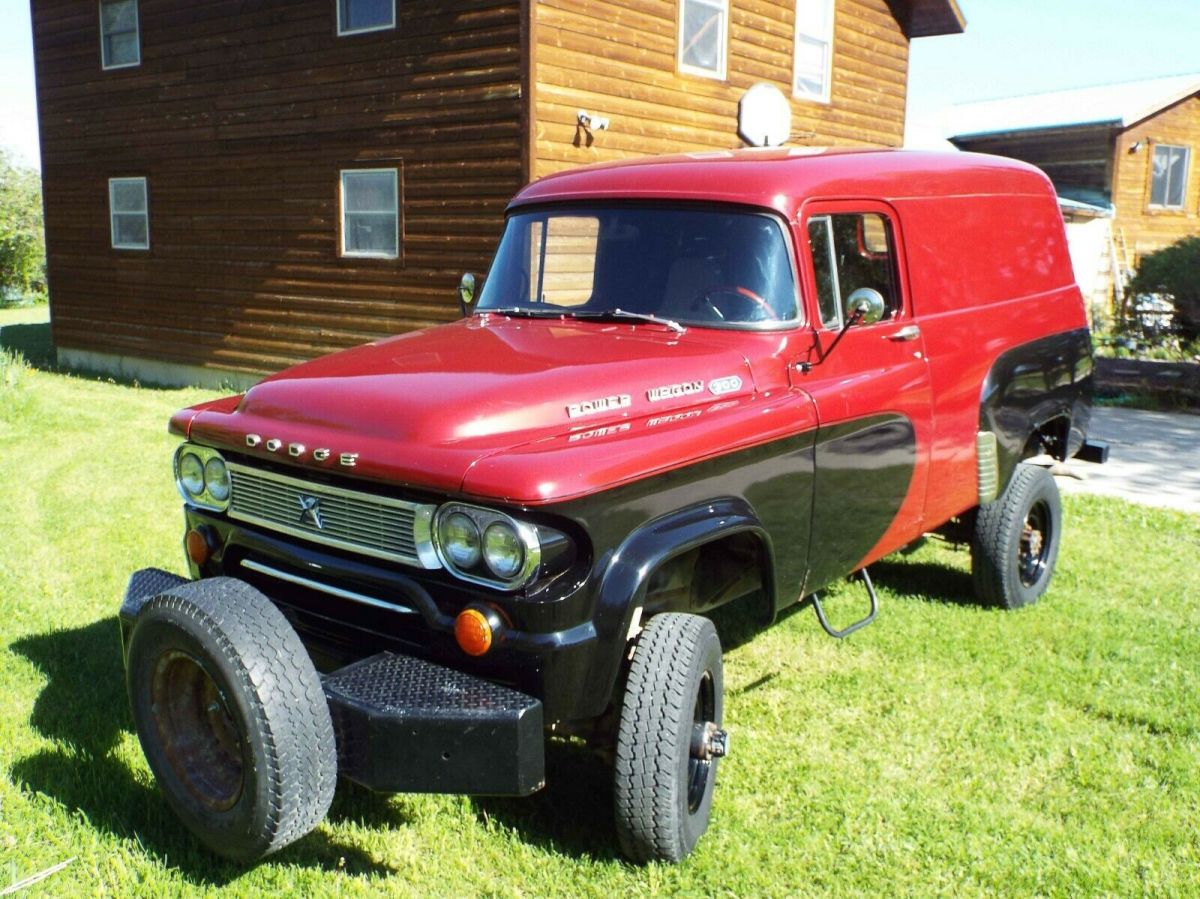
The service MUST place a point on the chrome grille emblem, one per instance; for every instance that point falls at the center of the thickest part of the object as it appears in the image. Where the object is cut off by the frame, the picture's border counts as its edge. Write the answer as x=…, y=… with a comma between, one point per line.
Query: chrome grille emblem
x=310, y=511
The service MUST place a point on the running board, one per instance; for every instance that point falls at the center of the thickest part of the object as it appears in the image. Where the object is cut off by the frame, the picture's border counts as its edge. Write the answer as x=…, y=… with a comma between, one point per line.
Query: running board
x=847, y=631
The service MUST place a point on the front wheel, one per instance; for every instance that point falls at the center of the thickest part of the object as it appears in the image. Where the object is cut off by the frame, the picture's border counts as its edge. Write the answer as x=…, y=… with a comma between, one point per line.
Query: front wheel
x=1015, y=544
x=231, y=716
x=669, y=738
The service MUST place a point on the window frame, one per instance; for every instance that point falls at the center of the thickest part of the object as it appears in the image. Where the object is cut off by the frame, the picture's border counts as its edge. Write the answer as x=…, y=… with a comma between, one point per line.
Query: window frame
x=1187, y=172
x=827, y=40
x=113, y=213
x=105, y=65
x=899, y=275
x=345, y=253
x=722, y=71
x=347, y=32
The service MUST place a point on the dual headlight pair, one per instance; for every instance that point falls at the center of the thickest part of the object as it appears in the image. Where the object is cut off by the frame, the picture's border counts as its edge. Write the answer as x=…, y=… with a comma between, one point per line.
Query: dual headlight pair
x=486, y=546
x=202, y=477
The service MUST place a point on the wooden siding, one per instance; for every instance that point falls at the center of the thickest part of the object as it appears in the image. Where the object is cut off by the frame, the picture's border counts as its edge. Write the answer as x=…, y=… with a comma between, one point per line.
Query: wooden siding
x=241, y=117
x=1145, y=229
x=619, y=61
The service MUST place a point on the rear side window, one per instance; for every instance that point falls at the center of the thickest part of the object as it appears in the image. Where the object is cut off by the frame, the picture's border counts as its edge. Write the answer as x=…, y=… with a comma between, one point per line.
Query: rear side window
x=852, y=251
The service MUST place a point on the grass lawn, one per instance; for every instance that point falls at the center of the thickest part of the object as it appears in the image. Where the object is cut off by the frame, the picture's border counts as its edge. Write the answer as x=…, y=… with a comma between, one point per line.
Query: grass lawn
x=945, y=750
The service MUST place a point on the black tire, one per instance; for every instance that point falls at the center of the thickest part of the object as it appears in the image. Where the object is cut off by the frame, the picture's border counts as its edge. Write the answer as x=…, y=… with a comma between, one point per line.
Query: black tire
x=231, y=716
x=663, y=790
x=1015, y=544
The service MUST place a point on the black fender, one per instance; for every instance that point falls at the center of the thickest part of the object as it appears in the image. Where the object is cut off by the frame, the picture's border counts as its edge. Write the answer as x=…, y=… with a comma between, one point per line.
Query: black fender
x=1041, y=386
x=622, y=591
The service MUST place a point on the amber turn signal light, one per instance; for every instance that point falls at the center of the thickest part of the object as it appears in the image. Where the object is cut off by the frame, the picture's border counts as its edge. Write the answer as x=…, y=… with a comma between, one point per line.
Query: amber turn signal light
x=475, y=629
x=198, y=548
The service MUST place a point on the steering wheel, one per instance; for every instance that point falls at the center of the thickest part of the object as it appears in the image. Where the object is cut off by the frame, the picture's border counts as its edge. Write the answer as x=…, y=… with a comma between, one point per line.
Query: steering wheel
x=714, y=298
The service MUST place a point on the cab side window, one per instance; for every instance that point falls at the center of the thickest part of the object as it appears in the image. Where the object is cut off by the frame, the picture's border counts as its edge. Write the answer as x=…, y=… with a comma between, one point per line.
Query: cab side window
x=849, y=251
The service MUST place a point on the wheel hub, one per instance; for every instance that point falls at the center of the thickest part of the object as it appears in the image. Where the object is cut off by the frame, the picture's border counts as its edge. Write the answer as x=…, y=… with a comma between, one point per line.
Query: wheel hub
x=197, y=731
x=709, y=741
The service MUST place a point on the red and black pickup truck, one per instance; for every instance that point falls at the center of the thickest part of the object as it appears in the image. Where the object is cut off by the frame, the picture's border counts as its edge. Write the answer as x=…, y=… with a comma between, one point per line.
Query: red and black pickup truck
x=685, y=382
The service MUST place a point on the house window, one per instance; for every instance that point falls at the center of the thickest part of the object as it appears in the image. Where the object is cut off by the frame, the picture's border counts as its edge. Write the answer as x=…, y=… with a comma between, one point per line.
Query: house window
x=370, y=213
x=703, y=35
x=119, y=44
x=129, y=213
x=1168, y=184
x=357, y=16
x=811, y=73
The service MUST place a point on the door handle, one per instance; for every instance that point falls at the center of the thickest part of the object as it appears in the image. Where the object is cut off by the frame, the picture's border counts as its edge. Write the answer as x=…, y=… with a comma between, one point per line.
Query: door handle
x=908, y=332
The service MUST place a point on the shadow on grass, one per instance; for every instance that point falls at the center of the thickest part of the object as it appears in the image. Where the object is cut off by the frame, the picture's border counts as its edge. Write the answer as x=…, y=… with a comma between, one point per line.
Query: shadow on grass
x=31, y=341
x=572, y=816
x=84, y=709
x=925, y=580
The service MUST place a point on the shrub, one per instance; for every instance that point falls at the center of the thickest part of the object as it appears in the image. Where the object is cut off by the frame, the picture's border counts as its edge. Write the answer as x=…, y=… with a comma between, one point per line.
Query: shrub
x=1175, y=272
x=22, y=244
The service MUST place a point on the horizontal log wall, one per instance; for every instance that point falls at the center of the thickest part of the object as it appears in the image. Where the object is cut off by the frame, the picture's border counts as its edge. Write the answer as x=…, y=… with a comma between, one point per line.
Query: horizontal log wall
x=1144, y=229
x=241, y=116
x=618, y=60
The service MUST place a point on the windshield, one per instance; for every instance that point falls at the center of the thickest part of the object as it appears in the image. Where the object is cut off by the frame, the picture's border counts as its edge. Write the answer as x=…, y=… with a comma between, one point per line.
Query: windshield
x=695, y=266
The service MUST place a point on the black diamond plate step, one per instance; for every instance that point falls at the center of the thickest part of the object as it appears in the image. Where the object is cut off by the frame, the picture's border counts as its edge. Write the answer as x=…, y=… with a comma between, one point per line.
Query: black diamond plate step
x=411, y=726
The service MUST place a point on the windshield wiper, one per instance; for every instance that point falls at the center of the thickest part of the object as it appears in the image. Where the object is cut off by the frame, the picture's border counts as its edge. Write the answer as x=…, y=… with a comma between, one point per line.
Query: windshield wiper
x=625, y=315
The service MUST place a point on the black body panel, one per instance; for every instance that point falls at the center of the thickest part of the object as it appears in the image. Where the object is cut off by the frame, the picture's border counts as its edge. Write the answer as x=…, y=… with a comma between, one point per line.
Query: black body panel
x=1033, y=385
x=864, y=468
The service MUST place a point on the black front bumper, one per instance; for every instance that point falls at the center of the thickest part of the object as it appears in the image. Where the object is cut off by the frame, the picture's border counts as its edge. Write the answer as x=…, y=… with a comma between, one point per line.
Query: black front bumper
x=408, y=725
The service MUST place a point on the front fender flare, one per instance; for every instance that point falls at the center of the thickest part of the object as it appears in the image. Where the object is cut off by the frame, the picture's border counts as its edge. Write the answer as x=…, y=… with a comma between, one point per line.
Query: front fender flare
x=622, y=591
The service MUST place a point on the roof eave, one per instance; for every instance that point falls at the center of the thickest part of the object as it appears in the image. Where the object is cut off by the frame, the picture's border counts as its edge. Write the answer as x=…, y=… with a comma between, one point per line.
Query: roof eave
x=930, y=18
x=1039, y=130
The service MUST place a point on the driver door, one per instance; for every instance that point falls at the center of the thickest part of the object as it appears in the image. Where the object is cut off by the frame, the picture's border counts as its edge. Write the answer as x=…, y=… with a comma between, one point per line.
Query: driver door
x=871, y=390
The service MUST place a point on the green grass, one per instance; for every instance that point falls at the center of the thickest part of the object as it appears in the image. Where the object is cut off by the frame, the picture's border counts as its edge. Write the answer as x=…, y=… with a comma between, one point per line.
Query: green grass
x=945, y=750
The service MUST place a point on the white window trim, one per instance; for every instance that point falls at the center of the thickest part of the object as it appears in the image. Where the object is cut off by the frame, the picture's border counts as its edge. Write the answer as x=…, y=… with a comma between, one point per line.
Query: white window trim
x=830, y=19
x=1187, y=174
x=367, y=254
x=721, y=73
x=137, y=29
x=345, y=32
x=112, y=214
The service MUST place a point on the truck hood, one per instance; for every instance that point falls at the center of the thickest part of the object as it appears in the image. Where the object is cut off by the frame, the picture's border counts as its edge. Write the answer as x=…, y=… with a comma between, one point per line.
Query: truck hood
x=421, y=409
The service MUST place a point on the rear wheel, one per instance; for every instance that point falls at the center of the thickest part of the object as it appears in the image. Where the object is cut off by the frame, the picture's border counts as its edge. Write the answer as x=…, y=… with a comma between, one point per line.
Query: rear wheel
x=1015, y=543
x=231, y=716
x=669, y=738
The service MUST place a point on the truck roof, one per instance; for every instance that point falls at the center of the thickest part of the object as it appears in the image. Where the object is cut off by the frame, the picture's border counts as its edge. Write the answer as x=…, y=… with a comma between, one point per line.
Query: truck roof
x=782, y=178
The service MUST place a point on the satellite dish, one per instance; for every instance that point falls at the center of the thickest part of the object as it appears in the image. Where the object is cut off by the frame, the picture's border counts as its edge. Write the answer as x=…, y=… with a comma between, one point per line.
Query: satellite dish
x=764, y=116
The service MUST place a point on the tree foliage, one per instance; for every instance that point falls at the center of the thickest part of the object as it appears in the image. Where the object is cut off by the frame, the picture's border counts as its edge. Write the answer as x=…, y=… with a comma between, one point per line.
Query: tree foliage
x=22, y=240
x=1175, y=272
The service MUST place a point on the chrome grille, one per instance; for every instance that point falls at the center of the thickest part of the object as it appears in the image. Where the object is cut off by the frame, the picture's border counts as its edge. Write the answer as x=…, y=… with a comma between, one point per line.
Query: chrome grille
x=372, y=525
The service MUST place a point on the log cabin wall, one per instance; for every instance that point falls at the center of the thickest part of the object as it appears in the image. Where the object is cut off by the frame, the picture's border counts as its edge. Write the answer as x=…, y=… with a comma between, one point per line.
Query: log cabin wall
x=241, y=116
x=618, y=60
x=1144, y=227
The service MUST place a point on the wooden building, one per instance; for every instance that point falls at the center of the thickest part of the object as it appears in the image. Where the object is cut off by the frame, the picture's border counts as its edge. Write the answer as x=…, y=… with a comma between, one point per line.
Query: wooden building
x=232, y=187
x=1126, y=151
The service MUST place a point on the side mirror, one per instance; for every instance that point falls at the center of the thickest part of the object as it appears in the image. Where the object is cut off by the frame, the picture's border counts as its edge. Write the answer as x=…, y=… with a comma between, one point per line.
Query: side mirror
x=865, y=306
x=466, y=293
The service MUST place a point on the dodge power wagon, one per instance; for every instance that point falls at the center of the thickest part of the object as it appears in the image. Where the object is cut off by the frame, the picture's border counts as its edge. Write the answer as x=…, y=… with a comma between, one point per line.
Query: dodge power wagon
x=685, y=382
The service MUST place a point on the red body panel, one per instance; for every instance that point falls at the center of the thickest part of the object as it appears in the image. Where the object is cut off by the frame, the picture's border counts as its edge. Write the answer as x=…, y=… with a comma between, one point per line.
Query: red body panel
x=480, y=407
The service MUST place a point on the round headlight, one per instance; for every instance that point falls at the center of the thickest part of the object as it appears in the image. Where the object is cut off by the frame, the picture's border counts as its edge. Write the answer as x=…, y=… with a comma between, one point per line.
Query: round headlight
x=460, y=540
x=191, y=473
x=216, y=479
x=503, y=550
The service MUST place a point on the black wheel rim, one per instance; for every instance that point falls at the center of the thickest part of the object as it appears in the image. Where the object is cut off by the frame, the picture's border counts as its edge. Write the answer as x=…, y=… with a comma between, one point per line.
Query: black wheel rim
x=198, y=735
x=699, y=767
x=1035, y=544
